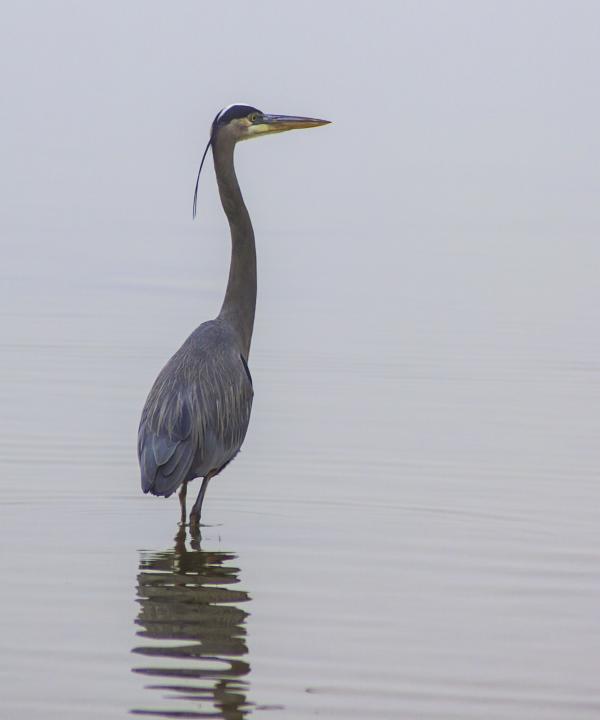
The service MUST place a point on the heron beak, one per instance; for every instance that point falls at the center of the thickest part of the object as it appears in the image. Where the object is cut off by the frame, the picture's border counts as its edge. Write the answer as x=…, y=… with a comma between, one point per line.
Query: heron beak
x=281, y=123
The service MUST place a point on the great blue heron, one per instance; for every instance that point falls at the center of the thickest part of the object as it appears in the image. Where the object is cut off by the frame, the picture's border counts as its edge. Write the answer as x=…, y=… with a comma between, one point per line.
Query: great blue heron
x=197, y=412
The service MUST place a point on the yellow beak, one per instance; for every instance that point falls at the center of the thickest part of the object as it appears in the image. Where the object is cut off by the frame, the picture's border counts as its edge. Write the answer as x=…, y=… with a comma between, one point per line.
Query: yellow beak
x=281, y=123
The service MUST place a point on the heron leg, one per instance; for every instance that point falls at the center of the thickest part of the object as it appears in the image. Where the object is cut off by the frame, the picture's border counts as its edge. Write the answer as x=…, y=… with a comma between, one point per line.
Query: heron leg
x=182, y=496
x=197, y=509
x=195, y=537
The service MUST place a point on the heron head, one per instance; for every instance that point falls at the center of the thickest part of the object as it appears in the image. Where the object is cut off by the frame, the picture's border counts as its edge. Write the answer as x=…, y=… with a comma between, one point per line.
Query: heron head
x=243, y=122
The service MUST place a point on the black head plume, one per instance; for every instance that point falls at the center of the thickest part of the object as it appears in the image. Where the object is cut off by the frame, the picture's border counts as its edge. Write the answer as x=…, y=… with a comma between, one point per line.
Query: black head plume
x=229, y=113
x=198, y=178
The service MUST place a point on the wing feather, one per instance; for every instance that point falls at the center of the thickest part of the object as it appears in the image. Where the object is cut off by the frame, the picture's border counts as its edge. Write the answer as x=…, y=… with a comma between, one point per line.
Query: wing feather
x=166, y=444
x=163, y=448
x=170, y=476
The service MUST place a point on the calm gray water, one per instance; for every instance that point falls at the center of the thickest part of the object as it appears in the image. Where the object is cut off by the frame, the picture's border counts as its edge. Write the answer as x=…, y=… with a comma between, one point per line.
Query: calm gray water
x=411, y=530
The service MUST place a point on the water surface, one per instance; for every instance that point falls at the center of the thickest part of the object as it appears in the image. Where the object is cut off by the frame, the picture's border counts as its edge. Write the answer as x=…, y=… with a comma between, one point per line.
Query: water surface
x=411, y=529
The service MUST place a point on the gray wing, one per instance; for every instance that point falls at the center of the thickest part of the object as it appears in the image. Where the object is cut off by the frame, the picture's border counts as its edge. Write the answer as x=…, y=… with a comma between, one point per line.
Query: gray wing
x=197, y=413
x=166, y=446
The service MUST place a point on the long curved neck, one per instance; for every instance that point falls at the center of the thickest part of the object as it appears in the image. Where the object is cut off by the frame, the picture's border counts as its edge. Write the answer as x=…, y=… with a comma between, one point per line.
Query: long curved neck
x=240, y=298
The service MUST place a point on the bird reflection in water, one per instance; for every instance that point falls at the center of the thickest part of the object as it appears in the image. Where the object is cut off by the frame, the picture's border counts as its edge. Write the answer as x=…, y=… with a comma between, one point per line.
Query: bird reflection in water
x=196, y=627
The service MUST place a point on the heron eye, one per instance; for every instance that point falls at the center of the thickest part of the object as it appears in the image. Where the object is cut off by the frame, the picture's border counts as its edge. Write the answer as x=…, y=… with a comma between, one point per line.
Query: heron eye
x=253, y=117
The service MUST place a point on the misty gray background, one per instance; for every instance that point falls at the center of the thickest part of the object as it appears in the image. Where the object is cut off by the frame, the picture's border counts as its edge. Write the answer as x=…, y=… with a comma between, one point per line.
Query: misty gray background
x=478, y=120
x=414, y=514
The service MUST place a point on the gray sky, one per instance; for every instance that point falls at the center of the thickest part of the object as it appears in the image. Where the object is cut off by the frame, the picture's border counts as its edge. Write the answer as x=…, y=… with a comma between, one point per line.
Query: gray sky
x=463, y=111
x=462, y=167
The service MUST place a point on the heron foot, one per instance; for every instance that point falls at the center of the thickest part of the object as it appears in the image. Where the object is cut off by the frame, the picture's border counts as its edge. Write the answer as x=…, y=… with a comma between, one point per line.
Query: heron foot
x=195, y=537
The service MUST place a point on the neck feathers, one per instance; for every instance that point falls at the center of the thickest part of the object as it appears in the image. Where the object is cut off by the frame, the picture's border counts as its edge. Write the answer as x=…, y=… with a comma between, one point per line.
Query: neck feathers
x=240, y=297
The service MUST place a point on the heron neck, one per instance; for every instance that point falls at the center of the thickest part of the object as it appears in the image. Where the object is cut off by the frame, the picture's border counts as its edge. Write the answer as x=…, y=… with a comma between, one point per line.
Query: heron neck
x=240, y=297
